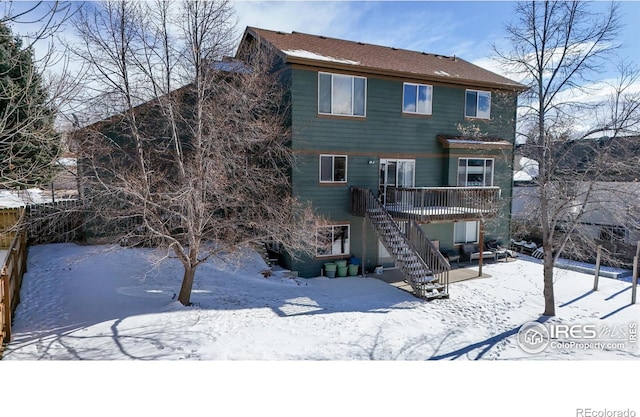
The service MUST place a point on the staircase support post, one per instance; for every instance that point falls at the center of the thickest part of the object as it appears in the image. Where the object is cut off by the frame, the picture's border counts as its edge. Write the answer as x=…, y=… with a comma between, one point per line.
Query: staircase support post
x=363, y=261
x=481, y=249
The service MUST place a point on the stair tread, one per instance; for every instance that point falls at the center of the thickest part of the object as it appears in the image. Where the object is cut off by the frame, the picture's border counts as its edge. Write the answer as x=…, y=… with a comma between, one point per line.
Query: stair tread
x=439, y=295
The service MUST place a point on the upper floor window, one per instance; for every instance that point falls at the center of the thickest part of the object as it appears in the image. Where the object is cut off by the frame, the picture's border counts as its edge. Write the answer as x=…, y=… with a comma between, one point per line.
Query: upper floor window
x=475, y=172
x=416, y=98
x=343, y=95
x=478, y=104
x=333, y=168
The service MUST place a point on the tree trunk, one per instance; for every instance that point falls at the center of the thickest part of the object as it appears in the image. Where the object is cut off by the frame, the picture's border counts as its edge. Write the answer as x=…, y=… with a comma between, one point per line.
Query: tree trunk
x=187, y=284
x=549, y=298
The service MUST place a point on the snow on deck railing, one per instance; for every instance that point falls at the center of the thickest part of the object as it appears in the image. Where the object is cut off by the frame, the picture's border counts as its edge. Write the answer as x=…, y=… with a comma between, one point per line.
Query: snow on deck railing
x=443, y=203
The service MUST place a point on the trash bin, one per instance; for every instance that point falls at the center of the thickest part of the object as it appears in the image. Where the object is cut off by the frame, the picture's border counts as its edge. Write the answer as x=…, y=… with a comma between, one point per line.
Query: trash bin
x=330, y=269
x=342, y=271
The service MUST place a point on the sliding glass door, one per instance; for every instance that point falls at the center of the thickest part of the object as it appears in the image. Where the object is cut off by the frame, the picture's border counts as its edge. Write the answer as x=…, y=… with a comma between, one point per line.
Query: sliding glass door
x=399, y=173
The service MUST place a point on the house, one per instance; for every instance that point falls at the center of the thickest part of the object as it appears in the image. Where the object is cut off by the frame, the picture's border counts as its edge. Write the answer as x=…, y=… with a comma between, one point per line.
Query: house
x=408, y=154
x=603, y=187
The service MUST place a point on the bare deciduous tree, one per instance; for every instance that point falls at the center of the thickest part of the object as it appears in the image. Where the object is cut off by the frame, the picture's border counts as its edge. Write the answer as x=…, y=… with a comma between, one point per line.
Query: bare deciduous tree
x=558, y=48
x=200, y=169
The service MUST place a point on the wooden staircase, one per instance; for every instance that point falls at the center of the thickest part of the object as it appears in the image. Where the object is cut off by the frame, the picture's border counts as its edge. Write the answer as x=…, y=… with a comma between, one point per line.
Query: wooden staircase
x=262, y=249
x=423, y=267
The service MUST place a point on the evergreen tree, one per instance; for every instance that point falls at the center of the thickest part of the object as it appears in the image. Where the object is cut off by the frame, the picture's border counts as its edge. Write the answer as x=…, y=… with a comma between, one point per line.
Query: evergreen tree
x=29, y=144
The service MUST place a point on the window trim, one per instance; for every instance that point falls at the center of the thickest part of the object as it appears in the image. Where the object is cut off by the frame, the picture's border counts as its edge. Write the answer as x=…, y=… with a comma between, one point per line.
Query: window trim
x=613, y=233
x=417, y=86
x=353, y=95
x=477, y=102
x=484, y=166
x=477, y=237
x=333, y=162
x=333, y=226
x=396, y=160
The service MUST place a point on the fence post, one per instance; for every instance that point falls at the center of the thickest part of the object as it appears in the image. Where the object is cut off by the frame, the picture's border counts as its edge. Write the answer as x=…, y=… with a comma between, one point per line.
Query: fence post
x=6, y=300
x=597, y=273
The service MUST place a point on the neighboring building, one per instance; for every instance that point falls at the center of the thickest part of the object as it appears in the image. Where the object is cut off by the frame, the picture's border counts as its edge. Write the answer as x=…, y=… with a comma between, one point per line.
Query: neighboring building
x=611, y=214
x=383, y=133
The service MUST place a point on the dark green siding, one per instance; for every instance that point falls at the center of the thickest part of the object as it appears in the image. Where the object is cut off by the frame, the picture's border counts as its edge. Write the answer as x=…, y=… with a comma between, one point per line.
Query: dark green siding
x=386, y=133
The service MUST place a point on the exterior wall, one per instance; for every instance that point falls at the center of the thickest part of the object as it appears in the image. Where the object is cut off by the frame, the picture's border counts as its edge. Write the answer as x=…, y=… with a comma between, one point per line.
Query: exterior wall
x=385, y=132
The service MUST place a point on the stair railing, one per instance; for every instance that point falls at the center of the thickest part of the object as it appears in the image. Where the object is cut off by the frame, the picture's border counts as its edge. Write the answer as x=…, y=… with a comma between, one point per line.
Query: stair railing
x=362, y=202
x=436, y=262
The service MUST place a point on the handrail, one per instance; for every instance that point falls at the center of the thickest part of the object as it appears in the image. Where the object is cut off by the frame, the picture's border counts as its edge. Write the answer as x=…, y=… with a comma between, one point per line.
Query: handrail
x=435, y=203
x=443, y=203
x=492, y=187
x=427, y=258
x=429, y=253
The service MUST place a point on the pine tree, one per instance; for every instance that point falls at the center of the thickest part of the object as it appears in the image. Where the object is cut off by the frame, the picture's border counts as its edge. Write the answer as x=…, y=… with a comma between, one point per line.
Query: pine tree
x=29, y=144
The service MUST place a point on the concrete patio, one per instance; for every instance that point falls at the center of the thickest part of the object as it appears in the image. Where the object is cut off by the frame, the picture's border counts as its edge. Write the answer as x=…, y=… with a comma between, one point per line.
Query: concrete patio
x=463, y=272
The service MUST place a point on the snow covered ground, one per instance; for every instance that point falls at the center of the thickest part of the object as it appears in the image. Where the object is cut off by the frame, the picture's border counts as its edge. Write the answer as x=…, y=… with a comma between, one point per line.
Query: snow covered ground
x=107, y=302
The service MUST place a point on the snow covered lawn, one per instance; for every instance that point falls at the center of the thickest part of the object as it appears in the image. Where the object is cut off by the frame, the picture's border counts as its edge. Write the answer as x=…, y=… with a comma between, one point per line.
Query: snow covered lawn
x=107, y=302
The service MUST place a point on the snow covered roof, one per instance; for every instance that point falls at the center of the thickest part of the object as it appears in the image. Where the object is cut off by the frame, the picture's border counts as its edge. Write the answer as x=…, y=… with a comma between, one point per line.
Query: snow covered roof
x=21, y=198
x=467, y=142
x=527, y=169
x=306, y=49
x=300, y=53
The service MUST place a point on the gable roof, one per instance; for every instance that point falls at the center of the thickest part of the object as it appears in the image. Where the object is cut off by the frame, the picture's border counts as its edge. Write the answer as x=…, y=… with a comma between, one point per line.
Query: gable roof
x=322, y=51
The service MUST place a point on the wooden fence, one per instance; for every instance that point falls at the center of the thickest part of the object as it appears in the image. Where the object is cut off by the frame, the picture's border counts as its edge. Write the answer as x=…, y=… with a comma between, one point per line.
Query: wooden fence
x=13, y=268
x=20, y=227
x=8, y=220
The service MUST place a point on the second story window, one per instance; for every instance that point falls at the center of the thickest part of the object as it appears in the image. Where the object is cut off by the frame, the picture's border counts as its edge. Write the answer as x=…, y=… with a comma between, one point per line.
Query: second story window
x=343, y=95
x=475, y=172
x=416, y=98
x=333, y=168
x=478, y=104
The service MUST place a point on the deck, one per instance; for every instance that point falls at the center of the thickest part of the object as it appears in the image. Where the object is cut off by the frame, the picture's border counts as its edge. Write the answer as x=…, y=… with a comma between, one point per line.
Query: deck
x=433, y=204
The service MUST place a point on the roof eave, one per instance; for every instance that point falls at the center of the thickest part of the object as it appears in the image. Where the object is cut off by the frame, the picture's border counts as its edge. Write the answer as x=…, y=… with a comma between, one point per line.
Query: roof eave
x=451, y=143
x=379, y=71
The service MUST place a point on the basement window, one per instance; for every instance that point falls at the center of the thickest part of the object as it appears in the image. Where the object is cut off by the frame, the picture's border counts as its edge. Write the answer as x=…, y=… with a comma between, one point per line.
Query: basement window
x=333, y=240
